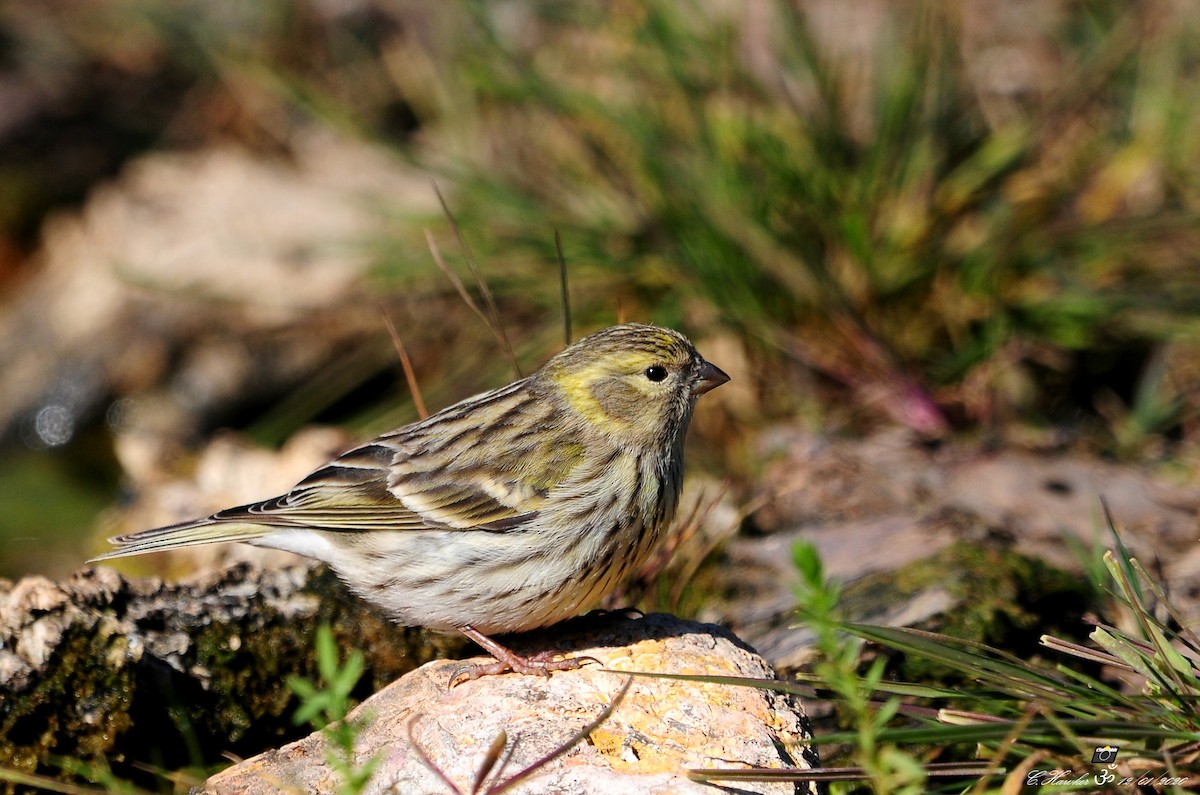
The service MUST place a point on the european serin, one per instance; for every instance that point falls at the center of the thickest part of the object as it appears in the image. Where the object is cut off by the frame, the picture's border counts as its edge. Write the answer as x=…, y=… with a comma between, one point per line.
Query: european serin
x=509, y=511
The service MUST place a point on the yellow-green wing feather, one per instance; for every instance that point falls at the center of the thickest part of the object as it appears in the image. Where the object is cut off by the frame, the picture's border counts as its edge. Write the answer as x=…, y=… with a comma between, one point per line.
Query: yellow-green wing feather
x=423, y=476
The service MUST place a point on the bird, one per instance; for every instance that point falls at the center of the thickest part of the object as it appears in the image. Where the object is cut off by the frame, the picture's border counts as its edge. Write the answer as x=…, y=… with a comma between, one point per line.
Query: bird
x=505, y=512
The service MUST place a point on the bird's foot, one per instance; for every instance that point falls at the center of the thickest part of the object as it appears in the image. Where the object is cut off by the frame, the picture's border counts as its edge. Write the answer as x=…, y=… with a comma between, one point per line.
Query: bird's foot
x=540, y=664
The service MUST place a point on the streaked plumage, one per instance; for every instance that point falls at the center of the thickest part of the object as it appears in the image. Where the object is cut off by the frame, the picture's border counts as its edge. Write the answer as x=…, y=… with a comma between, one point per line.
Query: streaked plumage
x=508, y=511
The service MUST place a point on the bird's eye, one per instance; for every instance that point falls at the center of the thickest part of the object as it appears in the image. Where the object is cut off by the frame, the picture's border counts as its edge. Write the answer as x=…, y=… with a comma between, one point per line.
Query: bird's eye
x=656, y=372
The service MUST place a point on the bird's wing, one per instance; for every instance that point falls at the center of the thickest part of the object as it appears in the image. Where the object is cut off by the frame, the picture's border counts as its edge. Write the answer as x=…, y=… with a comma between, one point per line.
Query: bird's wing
x=380, y=486
x=497, y=488
x=349, y=494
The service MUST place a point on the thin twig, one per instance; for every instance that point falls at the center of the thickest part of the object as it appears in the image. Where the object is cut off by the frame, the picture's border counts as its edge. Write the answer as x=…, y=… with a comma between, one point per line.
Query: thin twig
x=424, y=757
x=693, y=563
x=468, y=300
x=708, y=775
x=562, y=285
x=493, y=313
x=579, y=736
x=484, y=290
x=409, y=375
x=489, y=761
x=1003, y=749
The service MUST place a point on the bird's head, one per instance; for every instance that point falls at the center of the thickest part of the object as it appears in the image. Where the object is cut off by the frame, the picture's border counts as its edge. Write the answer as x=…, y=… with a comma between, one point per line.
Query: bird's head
x=637, y=382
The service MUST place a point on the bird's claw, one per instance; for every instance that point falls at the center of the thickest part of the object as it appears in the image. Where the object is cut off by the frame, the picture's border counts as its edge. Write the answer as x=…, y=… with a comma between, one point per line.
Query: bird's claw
x=541, y=664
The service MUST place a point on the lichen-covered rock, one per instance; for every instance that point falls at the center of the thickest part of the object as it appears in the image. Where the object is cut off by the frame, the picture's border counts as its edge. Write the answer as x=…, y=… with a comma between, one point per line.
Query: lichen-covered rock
x=659, y=730
x=106, y=670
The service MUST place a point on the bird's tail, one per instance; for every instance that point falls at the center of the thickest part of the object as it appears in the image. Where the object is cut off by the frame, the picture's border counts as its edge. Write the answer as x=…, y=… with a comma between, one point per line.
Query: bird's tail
x=184, y=534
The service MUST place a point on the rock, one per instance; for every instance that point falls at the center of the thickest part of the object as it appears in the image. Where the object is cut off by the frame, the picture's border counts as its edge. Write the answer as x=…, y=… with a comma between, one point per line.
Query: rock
x=883, y=509
x=763, y=607
x=199, y=280
x=1043, y=500
x=657, y=731
x=95, y=668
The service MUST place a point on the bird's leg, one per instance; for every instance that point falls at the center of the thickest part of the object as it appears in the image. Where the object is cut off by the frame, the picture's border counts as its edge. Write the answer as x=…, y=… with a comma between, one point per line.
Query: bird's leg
x=541, y=664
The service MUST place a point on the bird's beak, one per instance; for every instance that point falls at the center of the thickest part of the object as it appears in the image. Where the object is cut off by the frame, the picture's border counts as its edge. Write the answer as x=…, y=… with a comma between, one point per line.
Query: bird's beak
x=710, y=377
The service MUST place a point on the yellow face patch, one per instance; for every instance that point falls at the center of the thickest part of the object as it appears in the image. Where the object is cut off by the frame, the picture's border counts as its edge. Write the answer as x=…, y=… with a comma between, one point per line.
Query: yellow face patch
x=615, y=387
x=604, y=377
x=577, y=388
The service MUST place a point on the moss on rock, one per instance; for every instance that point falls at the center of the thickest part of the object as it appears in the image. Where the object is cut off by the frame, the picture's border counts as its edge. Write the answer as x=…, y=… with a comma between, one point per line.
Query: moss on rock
x=116, y=674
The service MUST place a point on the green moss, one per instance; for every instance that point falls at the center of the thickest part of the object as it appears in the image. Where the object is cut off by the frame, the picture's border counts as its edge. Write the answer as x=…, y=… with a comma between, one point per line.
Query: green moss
x=102, y=708
x=997, y=596
x=76, y=710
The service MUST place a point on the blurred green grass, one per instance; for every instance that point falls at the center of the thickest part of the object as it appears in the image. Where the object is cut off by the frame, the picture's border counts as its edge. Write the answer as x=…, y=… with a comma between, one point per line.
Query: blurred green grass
x=957, y=215
x=45, y=504
x=878, y=218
